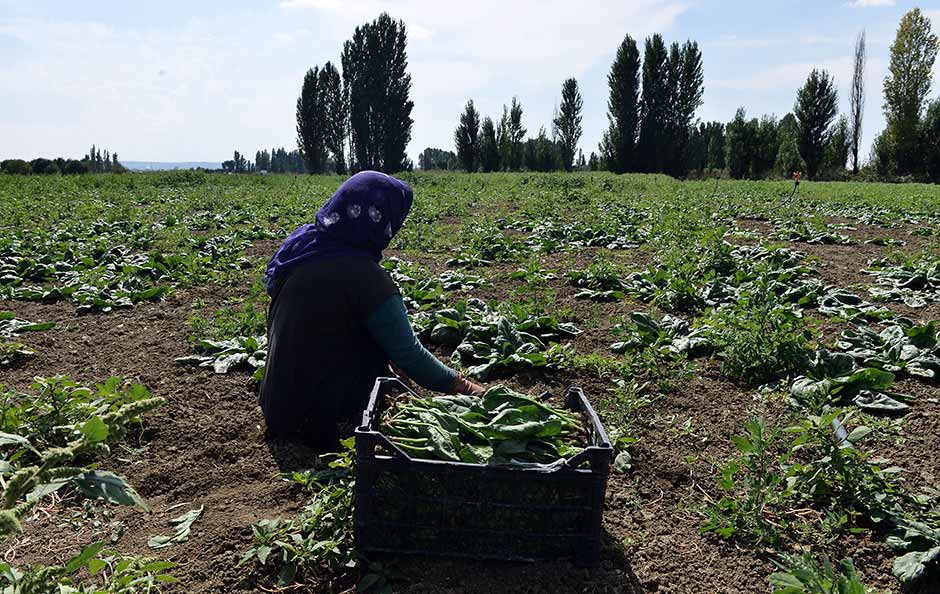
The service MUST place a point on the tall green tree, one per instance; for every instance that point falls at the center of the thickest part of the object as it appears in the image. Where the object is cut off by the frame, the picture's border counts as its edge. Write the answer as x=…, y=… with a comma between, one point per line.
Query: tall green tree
x=815, y=108
x=310, y=123
x=502, y=140
x=568, y=122
x=489, y=146
x=540, y=153
x=655, y=106
x=467, y=138
x=907, y=85
x=618, y=146
x=715, y=131
x=788, y=159
x=838, y=144
x=765, y=147
x=435, y=158
x=375, y=71
x=670, y=138
x=510, y=136
x=690, y=90
x=738, y=145
x=515, y=132
x=930, y=138
x=336, y=115
x=857, y=98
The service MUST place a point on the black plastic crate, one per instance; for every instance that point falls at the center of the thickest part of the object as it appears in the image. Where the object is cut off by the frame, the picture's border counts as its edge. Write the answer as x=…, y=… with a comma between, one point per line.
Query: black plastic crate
x=430, y=507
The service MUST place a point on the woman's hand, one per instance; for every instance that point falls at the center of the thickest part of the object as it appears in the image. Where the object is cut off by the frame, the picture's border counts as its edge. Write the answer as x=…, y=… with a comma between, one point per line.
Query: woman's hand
x=464, y=386
x=401, y=375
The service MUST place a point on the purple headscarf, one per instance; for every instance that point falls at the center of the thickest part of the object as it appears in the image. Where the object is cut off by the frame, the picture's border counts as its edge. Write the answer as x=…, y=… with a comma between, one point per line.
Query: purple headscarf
x=360, y=218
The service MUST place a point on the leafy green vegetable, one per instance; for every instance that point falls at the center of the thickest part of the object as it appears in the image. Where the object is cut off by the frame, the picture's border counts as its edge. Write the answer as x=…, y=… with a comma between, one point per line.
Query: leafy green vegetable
x=915, y=283
x=108, y=572
x=671, y=334
x=919, y=567
x=488, y=340
x=226, y=355
x=182, y=526
x=832, y=378
x=803, y=575
x=502, y=427
x=811, y=233
x=319, y=539
x=10, y=325
x=553, y=236
x=599, y=282
x=52, y=439
x=11, y=353
x=901, y=347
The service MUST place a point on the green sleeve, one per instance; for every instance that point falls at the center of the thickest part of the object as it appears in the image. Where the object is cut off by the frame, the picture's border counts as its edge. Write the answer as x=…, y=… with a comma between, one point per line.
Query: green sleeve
x=390, y=328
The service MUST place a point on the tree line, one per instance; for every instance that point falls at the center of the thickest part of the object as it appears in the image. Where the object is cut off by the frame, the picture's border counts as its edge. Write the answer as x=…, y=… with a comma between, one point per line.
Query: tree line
x=502, y=146
x=276, y=161
x=95, y=161
x=650, y=120
x=652, y=128
x=812, y=139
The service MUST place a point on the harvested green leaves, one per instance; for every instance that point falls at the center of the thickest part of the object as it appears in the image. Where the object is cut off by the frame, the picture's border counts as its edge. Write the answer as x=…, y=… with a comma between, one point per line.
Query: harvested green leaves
x=225, y=355
x=10, y=325
x=182, y=526
x=502, y=427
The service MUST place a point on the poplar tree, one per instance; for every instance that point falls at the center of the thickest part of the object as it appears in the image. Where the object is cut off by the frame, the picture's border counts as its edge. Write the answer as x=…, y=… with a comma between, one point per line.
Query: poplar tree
x=467, y=138
x=489, y=146
x=654, y=110
x=375, y=72
x=335, y=115
x=310, y=123
x=907, y=86
x=568, y=122
x=618, y=146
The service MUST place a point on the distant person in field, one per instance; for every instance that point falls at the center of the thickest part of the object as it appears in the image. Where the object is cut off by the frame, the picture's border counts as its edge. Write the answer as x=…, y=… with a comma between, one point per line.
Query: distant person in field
x=337, y=320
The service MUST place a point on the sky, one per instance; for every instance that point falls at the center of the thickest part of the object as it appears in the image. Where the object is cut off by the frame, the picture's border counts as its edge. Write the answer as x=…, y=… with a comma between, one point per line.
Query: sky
x=194, y=80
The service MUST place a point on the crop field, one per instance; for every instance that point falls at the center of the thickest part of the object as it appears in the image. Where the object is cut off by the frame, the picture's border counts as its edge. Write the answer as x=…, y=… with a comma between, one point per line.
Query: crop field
x=766, y=363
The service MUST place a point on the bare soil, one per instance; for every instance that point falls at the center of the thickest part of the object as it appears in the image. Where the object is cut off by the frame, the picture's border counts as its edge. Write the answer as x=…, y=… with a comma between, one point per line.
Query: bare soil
x=206, y=446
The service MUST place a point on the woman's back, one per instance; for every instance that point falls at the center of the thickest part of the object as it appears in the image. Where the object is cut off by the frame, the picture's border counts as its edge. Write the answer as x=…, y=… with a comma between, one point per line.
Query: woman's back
x=319, y=349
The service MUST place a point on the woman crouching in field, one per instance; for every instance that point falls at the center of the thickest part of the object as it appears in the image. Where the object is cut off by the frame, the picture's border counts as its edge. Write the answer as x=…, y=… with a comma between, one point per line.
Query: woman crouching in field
x=336, y=318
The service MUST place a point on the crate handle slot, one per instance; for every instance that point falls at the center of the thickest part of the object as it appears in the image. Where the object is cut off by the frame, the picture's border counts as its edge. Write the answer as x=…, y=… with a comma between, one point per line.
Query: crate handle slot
x=374, y=441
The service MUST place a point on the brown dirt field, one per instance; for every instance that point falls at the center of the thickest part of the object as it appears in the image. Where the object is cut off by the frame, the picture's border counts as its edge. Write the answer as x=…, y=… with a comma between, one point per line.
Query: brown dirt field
x=206, y=446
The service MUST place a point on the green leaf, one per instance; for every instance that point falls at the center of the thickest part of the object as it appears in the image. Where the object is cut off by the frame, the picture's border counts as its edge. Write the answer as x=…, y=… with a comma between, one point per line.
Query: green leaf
x=94, y=430
x=914, y=567
x=79, y=561
x=623, y=462
x=109, y=487
x=786, y=580
x=182, y=528
x=286, y=574
x=96, y=565
x=859, y=433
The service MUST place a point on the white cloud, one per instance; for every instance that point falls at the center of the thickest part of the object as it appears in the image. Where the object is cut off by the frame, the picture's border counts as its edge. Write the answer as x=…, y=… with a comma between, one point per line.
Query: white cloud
x=868, y=3
x=199, y=88
x=150, y=95
x=787, y=76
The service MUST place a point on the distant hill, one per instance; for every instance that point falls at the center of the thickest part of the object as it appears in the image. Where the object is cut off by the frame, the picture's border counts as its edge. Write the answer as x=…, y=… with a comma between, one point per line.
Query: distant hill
x=165, y=165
